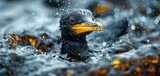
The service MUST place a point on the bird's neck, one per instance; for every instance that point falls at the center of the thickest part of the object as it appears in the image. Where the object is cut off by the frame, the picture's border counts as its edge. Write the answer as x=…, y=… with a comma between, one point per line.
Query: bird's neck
x=73, y=38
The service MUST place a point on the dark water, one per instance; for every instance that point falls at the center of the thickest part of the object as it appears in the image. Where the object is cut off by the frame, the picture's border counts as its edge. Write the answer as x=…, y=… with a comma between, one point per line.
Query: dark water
x=129, y=45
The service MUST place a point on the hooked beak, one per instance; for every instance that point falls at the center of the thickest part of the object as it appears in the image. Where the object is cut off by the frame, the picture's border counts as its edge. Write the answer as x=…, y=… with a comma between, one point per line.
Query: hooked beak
x=87, y=27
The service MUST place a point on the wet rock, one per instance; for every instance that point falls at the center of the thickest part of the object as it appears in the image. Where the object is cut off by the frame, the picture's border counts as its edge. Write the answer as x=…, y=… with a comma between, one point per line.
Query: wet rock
x=100, y=8
x=42, y=42
x=114, y=30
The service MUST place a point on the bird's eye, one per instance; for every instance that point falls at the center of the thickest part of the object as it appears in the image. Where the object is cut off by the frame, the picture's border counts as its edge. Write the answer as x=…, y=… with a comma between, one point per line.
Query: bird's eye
x=72, y=20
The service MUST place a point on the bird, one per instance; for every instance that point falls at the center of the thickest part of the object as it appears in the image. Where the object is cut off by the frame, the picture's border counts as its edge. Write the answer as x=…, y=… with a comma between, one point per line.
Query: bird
x=75, y=25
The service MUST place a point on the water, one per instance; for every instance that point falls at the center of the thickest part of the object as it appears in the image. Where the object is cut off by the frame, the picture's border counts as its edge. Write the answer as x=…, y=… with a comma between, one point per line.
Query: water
x=35, y=17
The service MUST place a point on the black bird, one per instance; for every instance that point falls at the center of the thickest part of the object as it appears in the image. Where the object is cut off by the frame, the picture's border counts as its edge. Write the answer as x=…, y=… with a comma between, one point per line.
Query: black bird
x=75, y=25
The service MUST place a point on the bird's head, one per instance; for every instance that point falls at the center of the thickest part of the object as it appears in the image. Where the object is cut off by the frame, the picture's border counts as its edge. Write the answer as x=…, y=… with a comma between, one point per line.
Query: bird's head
x=79, y=23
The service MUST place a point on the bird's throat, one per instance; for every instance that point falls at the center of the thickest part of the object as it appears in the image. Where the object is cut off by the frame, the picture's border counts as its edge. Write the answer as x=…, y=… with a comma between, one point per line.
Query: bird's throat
x=73, y=38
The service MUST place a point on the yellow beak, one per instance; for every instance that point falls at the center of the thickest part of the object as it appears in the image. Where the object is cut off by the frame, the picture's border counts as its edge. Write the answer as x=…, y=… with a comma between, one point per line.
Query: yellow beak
x=87, y=27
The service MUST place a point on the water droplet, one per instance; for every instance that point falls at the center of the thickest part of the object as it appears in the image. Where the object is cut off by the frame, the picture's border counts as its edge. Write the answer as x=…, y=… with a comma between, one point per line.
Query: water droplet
x=101, y=55
x=103, y=50
x=104, y=43
x=133, y=27
x=57, y=13
x=120, y=40
x=148, y=40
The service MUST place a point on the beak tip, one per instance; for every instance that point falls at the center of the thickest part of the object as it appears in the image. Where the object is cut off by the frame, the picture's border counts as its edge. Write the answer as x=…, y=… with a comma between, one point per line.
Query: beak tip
x=100, y=26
